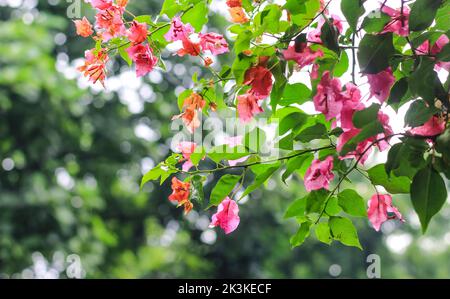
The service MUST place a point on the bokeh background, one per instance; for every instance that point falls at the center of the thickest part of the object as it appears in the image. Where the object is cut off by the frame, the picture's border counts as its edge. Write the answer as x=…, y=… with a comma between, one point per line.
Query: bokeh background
x=72, y=156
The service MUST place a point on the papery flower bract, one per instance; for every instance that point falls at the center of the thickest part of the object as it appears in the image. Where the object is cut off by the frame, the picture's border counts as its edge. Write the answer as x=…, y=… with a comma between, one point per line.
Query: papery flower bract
x=95, y=65
x=399, y=21
x=238, y=15
x=122, y=3
x=379, y=207
x=351, y=98
x=178, y=30
x=213, y=42
x=381, y=84
x=144, y=59
x=110, y=22
x=180, y=194
x=425, y=49
x=434, y=126
x=234, y=3
x=303, y=58
x=189, y=48
x=187, y=148
x=84, y=27
x=192, y=105
x=328, y=99
x=247, y=107
x=101, y=4
x=362, y=150
x=384, y=121
x=227, y=216
x=137, y=32
x=260, y=80
x=319, y=174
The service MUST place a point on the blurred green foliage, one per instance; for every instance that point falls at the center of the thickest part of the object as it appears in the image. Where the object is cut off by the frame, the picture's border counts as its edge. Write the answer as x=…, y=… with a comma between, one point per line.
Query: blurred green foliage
x=71, y=160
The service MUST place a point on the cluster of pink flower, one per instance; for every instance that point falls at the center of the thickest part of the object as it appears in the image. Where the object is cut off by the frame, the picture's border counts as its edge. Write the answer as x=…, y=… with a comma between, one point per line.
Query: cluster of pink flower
x=212, y=42
x=110, y=24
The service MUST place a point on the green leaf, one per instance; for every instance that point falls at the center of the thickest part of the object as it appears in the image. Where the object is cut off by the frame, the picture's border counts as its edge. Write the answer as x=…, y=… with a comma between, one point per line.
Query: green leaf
x=342, y=66
x=301, y=235
x=296, y=209
x=352, y=203
x=261, y=178
x=424, y=81
x=329, y=36
x=428, y=194
x=375, y=21
x=296, y=163
x=316, y=201
x=268, y=20
x=183, y=96
x=422, y=14
x=366, y=116
x=343, y=231
x=297, y=93
x=303, y=19
x=375, y=52
x=196, y=16
x=225, y=152
x=223, y=187
x=323, y=233
x=172, y=7
x=124, y=54
x=255, y=140
x=196, y=192
x=333, y=208
x=316, y=131
x=444, y=55
x=398, y=92
x=368, y=131
x=295, y=7
x=352, y=10
x=392, y=184
x=418, y=113
x=292, y=122
x=243, y=41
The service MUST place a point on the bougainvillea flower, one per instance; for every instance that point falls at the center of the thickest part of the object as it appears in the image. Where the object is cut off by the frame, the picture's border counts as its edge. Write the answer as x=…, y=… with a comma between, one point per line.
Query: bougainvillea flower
x=189, y=48
x=384, y=120
x=260, y=80
x=319, y=174
x=434, y=126
x=227, y=216
x=178, y=30
x=234, y=3
x=314, y=34
x=305, y=57
x=379, y=207
x=328, y=99
x=362, y=150
x=381, y=84
x=137, y=32
x=238, y=15
x=95, y=66
x=399, y=22
x=180, y=194
x=213, y=42
x=187, y=148
x=192, y=105
x=144, y=59
x=84, y=27
x=101, y=4
x=425, y=49
x=247, y=107
x=110, y=21
x=351, y=98
x=122, y=3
